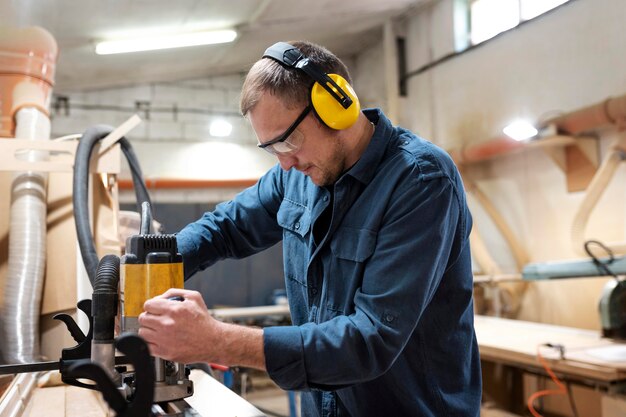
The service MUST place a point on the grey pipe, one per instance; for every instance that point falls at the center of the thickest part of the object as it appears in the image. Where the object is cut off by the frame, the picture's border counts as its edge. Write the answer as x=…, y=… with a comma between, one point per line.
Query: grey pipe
x=572, y=269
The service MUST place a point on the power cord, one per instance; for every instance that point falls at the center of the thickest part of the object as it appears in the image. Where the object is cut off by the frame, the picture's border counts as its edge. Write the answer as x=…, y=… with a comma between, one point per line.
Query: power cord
x=602, y=266
x=561, y=388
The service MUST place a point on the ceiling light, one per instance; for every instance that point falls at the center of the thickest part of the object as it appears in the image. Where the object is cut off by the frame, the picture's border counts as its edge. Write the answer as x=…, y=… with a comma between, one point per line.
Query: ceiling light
x=165, y=42
x=520, y=130
x=220, y=128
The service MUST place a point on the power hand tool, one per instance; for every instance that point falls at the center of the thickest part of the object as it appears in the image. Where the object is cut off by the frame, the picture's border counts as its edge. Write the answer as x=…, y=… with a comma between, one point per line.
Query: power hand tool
x=153, y=387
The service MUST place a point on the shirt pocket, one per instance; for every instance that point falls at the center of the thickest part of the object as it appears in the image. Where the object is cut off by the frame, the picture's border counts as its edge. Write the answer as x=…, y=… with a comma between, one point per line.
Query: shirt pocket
x=353, y=244
x=351, y=248
x=294, y=217
x=295, y=220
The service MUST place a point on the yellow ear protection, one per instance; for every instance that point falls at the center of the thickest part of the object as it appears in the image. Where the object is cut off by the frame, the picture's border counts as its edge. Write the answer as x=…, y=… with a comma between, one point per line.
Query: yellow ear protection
x=333, y=99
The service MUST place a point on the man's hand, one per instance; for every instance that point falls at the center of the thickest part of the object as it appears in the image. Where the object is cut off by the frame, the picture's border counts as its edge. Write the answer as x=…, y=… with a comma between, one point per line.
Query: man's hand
x=179, y=331
x=184, y=331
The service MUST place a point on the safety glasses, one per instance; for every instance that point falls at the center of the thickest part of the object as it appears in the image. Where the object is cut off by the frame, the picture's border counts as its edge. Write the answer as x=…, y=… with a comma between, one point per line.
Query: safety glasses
x=290, y=141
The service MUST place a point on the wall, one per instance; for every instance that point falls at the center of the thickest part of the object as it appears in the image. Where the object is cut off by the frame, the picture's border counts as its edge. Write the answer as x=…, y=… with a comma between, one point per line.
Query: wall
x=367, y=73
x=562, y=61
x=173, y=140
x=198, y=101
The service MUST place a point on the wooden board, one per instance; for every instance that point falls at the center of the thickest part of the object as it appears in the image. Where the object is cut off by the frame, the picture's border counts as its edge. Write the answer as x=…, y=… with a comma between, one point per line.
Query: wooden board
x=66, y=401
x=515, y=342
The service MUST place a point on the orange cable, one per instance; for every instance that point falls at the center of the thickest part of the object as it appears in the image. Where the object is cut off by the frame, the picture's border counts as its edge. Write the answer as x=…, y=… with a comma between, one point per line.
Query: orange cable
x=561, y=391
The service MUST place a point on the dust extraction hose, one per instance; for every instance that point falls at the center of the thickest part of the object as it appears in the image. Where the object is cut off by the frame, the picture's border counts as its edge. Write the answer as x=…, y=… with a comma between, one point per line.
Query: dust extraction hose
x=104, y=309
x=81, y=188
x=21, y=293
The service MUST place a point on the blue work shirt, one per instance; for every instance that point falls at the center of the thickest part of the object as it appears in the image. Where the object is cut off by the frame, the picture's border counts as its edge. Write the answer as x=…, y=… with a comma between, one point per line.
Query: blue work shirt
x=382, y=305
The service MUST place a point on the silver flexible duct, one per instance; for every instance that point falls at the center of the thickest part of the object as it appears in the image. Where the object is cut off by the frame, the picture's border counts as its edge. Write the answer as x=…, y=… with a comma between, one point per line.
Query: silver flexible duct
x=22, y=292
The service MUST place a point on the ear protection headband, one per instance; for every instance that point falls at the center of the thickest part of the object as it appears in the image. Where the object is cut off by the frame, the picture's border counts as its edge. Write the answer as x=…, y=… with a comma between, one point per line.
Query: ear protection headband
x=333, y=99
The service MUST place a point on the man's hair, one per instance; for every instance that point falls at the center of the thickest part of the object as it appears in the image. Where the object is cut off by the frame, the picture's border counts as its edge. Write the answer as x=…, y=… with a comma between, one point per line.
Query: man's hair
x=290, y=85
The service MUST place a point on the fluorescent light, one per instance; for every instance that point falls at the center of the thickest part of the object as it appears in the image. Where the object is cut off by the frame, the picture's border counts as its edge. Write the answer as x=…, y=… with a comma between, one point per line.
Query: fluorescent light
x=520, y=130
x=165, y=42
x=220, y=128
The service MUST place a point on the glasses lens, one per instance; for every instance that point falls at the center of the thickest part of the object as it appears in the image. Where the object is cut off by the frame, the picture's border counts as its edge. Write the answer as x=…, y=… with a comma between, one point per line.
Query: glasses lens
x=290, y=145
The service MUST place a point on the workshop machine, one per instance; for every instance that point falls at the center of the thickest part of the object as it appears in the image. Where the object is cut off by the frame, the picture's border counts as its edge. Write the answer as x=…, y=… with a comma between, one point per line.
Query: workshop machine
x=133, y=384
x=150, y=265
x=612, y=305
x=613, y=309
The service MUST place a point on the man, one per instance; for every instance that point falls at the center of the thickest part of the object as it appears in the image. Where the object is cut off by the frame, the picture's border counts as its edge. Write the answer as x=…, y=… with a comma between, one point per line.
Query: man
x=375, y=229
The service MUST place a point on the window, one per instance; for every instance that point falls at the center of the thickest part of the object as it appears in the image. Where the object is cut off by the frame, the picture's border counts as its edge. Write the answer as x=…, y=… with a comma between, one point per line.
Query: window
x=490, y=17
x=530, y=9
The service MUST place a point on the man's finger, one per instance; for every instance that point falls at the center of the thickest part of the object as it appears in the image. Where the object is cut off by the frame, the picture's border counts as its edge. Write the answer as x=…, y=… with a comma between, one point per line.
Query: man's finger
x=149, y=321
x=176, y=292
x=158, y=306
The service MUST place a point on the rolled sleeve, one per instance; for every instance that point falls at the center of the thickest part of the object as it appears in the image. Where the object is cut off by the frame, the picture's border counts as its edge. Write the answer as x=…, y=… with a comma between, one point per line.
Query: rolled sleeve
x=284, y=357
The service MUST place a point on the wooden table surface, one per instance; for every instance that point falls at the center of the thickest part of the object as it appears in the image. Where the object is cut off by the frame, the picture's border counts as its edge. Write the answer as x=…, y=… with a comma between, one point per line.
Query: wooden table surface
x=587, y=355
x=210, y=399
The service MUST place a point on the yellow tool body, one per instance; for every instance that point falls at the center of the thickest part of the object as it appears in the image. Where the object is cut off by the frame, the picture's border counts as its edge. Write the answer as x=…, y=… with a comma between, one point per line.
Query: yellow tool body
x=150, y=267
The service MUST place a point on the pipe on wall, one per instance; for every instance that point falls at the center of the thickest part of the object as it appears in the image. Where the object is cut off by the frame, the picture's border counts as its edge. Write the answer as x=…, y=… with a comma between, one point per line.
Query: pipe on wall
x=186, y=183
x=611, y=111
x=594, y=191
x=485, y=150
x=519, y=252
x=508, y=296
x=27, y=58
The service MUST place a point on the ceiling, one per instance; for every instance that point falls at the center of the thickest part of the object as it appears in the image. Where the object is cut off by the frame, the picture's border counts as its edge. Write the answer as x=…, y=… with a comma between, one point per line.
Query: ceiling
x=343, y=26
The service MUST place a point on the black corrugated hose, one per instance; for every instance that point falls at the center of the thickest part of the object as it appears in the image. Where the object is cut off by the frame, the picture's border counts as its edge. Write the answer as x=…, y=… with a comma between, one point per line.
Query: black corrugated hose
x=80, y=187
x=104, y=299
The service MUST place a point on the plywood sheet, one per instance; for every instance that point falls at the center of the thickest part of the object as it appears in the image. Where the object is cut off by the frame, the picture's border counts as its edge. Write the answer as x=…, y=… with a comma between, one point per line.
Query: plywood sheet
x=516, y=342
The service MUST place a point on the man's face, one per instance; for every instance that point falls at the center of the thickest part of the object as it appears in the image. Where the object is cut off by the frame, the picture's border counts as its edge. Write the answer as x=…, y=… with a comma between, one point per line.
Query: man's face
x=320, y=154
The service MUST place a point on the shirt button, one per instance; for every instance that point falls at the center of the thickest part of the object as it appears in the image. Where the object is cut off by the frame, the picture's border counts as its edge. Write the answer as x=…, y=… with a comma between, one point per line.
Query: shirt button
x=297, y=225
x=406, y=142
x=389, y=318
x=325, y=198
x=313, y=291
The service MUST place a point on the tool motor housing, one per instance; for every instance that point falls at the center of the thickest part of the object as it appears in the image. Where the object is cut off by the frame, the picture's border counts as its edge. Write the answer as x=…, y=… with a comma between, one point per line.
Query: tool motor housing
x=151, y=266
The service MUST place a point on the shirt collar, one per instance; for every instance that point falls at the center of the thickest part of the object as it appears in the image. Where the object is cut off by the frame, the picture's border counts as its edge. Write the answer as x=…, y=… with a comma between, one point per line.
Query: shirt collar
x=365, y=168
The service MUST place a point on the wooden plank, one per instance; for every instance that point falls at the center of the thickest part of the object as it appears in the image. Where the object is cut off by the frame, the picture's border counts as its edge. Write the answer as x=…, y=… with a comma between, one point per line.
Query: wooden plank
x=85, y=403
x=120, y=131
x=581, y=164
x=60, y=157
x=515, y=342
x=212, y=399
x=49, y=402
x=66, y=401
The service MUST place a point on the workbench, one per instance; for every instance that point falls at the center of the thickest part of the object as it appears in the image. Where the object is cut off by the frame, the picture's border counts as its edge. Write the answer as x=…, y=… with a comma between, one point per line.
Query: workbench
x=210, y=399
x=588, y=359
